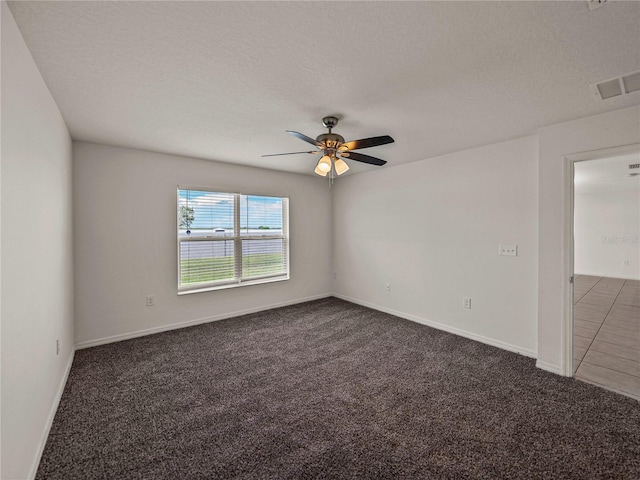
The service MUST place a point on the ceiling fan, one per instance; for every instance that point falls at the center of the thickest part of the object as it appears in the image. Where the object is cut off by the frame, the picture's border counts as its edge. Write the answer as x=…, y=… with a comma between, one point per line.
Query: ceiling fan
x=335, y=149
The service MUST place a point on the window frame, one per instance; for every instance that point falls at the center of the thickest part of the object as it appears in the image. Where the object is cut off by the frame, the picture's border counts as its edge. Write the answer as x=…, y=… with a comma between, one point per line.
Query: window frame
x=237, y=239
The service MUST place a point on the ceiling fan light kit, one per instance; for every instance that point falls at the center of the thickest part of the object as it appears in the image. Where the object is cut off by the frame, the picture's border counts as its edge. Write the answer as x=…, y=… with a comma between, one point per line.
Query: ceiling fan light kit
x=317, y=171
x=334, y=149
x=340, y=166
x=324, y=166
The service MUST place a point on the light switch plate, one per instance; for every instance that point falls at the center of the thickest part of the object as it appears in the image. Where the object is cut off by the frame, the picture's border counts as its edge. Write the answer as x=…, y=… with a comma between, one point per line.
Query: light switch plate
x=508, y=250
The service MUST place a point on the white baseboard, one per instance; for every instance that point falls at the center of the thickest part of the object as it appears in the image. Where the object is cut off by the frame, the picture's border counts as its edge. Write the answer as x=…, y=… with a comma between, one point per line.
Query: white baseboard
x=191, y=323
x=549, y=367
x=440, y=326
x=52, y=413
x=611, y=275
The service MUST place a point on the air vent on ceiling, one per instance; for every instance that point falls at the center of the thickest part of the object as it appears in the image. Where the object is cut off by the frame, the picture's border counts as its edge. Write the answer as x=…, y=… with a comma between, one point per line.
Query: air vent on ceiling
x=593, y=4
x=615, y=87
x=634, y=165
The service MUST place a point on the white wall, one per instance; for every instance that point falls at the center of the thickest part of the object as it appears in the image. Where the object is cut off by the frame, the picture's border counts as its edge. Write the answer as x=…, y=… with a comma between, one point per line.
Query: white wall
x=611, y=129
x=606, y=232
x=125, y=240
x=37, y=295
x=432, y=229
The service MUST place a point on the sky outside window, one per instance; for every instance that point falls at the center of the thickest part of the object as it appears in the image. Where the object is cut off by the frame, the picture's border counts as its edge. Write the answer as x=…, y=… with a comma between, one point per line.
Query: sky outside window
x=212, y=210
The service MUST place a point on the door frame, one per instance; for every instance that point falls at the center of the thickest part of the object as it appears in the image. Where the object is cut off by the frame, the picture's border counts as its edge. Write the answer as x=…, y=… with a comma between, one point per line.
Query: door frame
x=570, y=161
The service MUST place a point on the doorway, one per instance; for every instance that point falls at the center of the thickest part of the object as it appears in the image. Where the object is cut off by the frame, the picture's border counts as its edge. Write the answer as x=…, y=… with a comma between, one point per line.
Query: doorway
x=606, y=269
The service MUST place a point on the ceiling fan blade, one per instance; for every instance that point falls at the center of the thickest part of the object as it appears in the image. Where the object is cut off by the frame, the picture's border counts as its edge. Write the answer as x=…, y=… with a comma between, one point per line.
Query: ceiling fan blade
x=303, y=137
x=368, y=142
x=290, y=153
x=359, y=157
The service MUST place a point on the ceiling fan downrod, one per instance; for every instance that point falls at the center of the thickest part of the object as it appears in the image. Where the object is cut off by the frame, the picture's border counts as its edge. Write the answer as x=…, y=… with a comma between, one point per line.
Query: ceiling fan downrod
x=331, y=141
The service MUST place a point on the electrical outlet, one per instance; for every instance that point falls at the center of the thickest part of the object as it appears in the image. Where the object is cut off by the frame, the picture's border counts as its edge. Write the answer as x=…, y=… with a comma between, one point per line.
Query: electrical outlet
x=57, y=346
x=335, y=275
x=466, y=303
x=508, y=250
x=388, y=287
x=627, y=263
x=151, y=300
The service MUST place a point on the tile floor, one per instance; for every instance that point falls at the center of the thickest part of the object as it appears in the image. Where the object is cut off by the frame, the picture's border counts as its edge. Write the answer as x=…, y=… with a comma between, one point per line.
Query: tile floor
x=606, y=333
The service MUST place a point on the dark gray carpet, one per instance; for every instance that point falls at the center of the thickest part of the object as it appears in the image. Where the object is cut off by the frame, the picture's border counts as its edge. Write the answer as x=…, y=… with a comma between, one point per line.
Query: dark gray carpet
x=329, y=389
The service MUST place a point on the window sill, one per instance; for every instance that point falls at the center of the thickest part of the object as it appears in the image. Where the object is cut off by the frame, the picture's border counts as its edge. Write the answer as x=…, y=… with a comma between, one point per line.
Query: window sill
x=211, y=288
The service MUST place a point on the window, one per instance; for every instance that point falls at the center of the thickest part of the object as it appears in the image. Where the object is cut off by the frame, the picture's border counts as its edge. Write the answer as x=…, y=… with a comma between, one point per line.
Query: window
x=230, y=239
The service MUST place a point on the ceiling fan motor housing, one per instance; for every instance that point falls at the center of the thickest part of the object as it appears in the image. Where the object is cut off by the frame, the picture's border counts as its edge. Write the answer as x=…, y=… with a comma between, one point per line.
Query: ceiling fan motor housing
x=331, y=140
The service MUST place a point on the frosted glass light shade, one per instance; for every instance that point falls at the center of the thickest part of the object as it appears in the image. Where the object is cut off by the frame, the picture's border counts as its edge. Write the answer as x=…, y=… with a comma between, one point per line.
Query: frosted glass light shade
x=324, y=164
x=341, y=166
x=320, y=172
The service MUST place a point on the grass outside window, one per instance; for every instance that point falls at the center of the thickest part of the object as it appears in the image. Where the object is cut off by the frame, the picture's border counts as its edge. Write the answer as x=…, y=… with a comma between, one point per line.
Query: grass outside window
x=208, y=270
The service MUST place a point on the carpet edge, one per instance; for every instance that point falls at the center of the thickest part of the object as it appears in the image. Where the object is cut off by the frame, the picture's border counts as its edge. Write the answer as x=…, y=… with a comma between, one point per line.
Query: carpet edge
x=191, y=323
x=441, y=326
x=549, y=367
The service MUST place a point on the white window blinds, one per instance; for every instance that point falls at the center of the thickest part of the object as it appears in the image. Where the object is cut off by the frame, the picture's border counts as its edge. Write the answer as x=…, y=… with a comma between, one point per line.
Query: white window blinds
x=230, y=239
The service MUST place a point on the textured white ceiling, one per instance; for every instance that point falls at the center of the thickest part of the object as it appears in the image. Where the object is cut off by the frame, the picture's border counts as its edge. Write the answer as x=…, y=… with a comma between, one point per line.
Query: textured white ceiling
x=223, y=80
